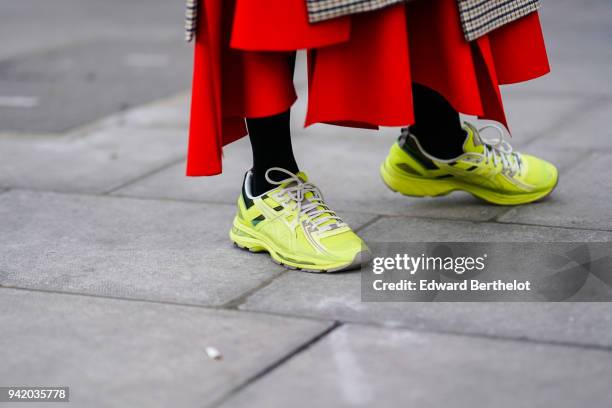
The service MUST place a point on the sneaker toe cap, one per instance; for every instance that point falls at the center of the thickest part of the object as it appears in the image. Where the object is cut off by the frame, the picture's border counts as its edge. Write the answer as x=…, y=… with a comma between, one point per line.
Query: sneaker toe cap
x=541, y=173
x=345, y=246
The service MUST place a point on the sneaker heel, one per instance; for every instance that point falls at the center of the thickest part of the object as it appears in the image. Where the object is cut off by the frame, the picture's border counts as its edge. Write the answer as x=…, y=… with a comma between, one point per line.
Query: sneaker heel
x=244, y=240
x=412, y=185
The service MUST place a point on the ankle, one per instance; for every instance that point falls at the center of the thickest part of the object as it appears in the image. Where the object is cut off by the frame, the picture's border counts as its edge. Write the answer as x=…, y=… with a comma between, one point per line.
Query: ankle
x=259, y=183
x=443, y=144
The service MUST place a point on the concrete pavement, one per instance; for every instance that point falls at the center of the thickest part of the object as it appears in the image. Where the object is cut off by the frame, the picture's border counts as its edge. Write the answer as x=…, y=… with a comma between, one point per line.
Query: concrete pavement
x=116, y=272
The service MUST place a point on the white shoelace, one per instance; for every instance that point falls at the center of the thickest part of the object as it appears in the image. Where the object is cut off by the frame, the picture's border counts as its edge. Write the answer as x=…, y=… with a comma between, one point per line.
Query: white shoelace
x=500, y=151
x=313, y=207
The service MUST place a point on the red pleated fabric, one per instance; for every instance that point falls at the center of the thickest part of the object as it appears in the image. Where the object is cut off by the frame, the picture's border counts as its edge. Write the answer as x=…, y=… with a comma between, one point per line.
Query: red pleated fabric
x=360, y=67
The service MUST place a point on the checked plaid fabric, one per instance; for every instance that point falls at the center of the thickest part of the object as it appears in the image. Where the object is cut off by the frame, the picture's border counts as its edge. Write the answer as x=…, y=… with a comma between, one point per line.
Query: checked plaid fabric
x=191, y=19
x=478, y=17
x=321, y=10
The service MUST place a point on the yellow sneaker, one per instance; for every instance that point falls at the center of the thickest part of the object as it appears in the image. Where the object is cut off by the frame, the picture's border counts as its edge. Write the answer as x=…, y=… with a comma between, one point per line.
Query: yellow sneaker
x=489, y=170
x=294, y=225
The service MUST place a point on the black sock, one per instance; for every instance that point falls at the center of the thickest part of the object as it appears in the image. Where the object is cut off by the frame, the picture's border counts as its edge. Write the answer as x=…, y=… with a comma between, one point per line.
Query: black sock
x=437, y=124
x=271, y=143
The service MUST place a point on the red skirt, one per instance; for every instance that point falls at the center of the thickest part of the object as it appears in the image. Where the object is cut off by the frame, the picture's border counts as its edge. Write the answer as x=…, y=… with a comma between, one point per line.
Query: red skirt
x=360, y=68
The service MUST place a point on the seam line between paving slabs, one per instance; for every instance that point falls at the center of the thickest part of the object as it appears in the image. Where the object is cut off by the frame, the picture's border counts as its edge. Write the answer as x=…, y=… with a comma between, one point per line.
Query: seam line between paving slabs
x=338, y=324
x=120, y=196
x=479, y=335
x=118, y=116
x=155, y=302
x=474, y=335
x=276, y=364
x=491, y=222
x=366, y=224
x=168, y=164
x=377, y=216
x=524, y=224
x=239, y=300
x=324, y=319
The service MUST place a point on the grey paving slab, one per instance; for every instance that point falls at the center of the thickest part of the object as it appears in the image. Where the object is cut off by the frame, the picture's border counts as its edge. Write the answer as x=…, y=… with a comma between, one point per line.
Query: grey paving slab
x=577, y=37
x=135, y=354
x=119, y=59
x=326, y=151
x=585, y=35
x=581, y=201
x=81, y=82
x=52, y=24
x=171, y=112
x=572, y=75
x=119, y=247
x=363, y=366
x=532, y=116
x=588, y=132
x=587, y=39
x=339, y=296
x=172, y=182
x=96, y=160
x=593, y=12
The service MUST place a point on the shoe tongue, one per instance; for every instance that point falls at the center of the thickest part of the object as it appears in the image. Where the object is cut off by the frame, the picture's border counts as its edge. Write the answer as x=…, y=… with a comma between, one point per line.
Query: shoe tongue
x=302, y=176
x=473, y=142
x=308, y=197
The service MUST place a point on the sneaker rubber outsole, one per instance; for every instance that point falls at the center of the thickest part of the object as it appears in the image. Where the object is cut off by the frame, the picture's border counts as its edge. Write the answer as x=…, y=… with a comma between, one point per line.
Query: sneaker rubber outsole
x=415, y=186
x=251, y=241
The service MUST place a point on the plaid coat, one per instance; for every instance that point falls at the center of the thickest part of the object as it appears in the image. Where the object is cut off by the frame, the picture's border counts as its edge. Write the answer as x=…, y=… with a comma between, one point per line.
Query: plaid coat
x=478, y=17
